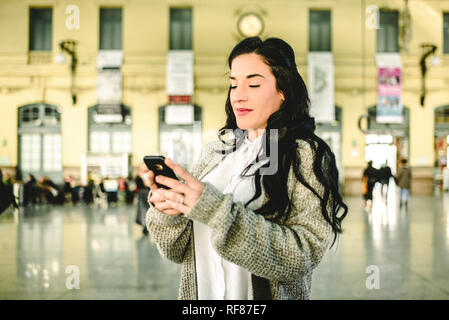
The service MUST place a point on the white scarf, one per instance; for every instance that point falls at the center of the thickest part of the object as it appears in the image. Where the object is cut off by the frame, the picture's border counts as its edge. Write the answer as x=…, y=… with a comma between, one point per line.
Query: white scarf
x=219, y=279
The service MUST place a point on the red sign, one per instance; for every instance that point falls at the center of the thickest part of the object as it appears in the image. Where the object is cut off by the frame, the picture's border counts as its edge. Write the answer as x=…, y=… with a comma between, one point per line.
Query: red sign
x=180, y=99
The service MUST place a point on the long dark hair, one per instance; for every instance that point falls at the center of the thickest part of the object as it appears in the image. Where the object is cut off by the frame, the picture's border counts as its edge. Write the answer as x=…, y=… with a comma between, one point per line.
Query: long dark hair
x=292, y=122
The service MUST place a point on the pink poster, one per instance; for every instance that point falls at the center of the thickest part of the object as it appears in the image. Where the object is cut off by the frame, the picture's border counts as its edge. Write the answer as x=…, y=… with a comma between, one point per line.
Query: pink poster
x=389, y=82
x=389, y=102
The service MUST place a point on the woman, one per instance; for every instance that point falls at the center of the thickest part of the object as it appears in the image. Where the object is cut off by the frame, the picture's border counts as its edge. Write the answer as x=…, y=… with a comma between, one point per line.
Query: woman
x=6, y=193
x=404, y=180
x=256, y=236
x=142, y=202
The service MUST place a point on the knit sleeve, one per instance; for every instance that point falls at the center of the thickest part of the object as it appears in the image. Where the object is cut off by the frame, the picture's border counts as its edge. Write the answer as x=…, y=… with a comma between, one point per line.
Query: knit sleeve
x=172, y=234
x=282, y=252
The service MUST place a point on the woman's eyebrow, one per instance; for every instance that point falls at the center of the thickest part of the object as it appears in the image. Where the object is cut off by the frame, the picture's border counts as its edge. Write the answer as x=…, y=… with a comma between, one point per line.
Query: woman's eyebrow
x=249, y=76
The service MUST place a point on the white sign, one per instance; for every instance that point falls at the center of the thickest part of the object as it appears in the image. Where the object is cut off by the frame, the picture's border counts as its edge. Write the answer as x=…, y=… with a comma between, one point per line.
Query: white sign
x=179, y=114
x=109, y=59
x=108, y=118
x=179, y=73
x=388, y=60
x=321, y=86
x=109, y=86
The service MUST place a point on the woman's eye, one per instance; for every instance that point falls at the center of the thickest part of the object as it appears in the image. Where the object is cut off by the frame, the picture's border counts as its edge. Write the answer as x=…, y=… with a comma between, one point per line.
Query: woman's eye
x=253, y=86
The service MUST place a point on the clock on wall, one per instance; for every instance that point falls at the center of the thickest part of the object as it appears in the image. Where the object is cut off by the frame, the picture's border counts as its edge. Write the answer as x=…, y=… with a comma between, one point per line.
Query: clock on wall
x=250, y=24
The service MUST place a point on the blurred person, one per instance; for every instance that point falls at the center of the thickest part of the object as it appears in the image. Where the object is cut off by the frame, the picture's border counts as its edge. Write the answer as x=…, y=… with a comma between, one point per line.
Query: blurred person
x=18, y=174
x=56, y=191
x=67, y=188
x=121, y=188
x=75, y=194
x=385, y=175
x=404, y=179
x=57, y=196
x=7, y=180
x=142, y=202
x=88, y=194
x=8, y=183
x=101, y=185
x=44, y=192
x=6, y=195
x=129, y=192
x=30, y=191
x=369, y=177
x=231, y=247
x=111, y=188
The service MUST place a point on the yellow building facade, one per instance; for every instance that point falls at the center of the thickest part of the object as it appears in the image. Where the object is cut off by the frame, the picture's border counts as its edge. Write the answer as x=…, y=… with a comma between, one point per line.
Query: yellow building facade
x=31, y=77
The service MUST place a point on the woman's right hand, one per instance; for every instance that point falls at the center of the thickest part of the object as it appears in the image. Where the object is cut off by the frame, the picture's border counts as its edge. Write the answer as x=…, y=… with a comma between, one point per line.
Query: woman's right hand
x=155, y=198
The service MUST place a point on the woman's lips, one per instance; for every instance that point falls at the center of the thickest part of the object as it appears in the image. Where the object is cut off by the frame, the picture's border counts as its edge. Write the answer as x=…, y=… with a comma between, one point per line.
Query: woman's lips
x=243, y=111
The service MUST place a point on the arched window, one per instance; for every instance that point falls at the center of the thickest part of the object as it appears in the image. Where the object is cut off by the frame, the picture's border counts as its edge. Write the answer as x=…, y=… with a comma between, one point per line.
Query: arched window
x=40, y=150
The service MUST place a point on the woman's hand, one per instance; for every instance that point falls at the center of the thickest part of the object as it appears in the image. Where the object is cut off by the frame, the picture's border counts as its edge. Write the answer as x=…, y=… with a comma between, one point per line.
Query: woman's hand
x=155, y=197
x=169, y=201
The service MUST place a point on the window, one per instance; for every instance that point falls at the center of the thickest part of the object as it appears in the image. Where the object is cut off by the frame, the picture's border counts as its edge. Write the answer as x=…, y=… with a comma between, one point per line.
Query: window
x=387, y=34
x=319, y=30
x=40, y=29
x=38, y=114
x=180, y=29
x=52, y=152
x=30, y=148
x=51, y=116
x=109, y=137
x=110, y=29
x=39, y=136
x=442, y=114
x=446, y=32
x=99, y=141
x=121, y=141
x=30, y=116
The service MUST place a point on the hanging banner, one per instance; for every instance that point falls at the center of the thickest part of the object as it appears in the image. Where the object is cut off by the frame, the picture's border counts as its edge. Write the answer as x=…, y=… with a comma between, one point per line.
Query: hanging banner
x=321, y=86
x=389, y=88
x=179, y=73
x=109, y=59
x=109, y=86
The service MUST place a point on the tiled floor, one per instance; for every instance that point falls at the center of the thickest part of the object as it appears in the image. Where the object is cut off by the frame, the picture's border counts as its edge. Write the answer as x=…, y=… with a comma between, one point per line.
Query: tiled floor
x=386, y=254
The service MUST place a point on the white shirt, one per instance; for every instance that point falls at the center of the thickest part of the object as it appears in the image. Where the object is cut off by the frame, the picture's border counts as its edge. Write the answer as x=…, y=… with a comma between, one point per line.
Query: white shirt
x=219, y=279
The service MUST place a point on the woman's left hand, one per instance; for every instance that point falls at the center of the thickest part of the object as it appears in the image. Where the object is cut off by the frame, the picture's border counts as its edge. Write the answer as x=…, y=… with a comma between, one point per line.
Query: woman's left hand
x=191, y=189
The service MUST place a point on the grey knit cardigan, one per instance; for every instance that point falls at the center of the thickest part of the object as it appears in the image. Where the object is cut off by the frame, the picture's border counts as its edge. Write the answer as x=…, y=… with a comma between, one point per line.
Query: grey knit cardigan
x=280, y=258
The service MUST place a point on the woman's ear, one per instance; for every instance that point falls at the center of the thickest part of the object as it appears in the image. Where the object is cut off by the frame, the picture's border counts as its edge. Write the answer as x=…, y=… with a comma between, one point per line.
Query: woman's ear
x=282, y=97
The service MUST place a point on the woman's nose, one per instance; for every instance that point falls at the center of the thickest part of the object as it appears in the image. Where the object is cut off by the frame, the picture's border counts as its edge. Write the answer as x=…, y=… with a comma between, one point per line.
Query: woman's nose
x=239, y=94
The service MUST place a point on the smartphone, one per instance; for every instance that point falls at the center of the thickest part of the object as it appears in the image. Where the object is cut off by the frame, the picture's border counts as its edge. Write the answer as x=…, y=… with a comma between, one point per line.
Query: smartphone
x=157, y=165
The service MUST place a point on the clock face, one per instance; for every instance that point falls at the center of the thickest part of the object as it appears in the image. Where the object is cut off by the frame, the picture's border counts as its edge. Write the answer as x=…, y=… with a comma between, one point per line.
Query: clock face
x=250, y=25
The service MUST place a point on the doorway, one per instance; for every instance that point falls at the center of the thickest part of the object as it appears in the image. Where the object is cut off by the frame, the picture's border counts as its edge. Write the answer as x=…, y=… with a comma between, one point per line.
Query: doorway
x=387, y=143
